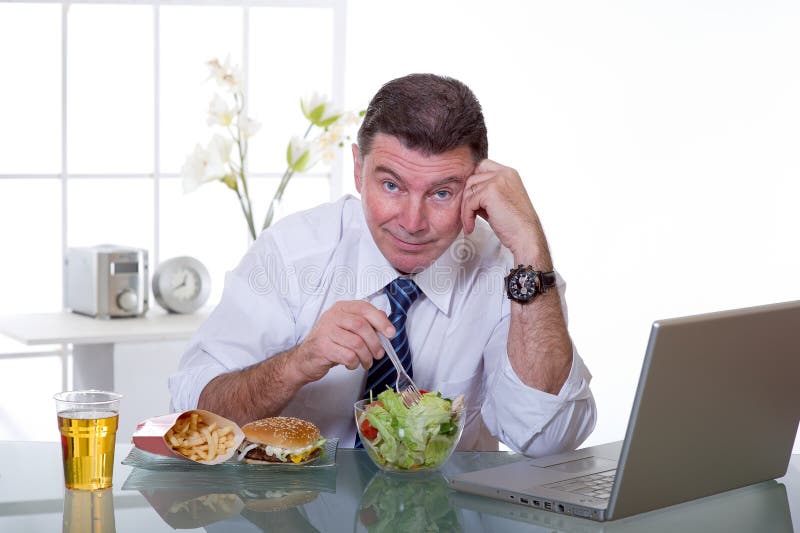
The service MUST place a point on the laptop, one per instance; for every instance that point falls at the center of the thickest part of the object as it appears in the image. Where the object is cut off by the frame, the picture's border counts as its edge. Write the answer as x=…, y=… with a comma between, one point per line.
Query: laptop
x=717, y=408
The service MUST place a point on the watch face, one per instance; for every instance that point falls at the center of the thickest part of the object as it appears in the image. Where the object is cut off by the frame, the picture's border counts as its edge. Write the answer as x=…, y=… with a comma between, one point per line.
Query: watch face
x=522, y=284
x=181, y=285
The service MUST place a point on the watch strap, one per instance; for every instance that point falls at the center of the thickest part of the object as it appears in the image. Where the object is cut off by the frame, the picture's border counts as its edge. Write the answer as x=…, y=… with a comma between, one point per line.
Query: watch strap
x=548, y=280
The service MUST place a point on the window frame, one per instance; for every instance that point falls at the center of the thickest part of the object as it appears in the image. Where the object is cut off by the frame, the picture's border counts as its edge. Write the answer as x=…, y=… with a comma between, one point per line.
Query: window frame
x=334, y=174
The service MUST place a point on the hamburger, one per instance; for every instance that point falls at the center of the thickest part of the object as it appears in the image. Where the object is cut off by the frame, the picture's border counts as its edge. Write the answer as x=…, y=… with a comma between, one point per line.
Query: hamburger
x=280, y=439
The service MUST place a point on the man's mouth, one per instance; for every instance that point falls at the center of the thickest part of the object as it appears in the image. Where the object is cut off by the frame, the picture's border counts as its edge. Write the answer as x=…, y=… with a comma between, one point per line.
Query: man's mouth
x=406, y=245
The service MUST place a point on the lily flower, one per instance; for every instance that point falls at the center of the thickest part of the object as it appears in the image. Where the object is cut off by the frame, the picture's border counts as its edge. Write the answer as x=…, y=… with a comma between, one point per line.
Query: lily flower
x=200, y=167
x=300, y=154
x=248, y=127
x=226, y=75
x=219, y=112
x=319, y=111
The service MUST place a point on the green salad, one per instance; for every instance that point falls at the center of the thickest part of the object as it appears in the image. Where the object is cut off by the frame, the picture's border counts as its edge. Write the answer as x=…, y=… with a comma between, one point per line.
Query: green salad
x=420, y=436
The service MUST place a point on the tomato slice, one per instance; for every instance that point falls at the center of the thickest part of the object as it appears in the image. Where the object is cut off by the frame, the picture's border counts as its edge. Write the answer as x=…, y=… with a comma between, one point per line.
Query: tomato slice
x=368, y=431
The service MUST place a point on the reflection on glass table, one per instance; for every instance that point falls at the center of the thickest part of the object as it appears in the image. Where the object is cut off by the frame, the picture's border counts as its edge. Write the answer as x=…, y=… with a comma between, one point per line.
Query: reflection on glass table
x=352, y=496
x=758, y=508
x=88, y=511
x=403, y=502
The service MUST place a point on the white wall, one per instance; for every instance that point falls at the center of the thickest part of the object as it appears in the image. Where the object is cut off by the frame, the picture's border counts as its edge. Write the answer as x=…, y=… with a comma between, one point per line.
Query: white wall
x=659, y=142
x=140, y=375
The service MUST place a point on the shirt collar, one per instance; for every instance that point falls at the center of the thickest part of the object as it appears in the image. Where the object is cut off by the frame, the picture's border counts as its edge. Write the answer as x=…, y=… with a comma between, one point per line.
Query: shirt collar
x=437, y=281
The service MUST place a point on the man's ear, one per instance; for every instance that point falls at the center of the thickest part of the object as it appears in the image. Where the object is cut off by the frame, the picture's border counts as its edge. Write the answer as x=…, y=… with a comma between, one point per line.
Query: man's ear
x=357, y=167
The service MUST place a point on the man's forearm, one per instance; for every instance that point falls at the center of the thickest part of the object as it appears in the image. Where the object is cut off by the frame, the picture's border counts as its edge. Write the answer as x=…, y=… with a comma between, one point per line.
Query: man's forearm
x=258, y=391
x=539, y=346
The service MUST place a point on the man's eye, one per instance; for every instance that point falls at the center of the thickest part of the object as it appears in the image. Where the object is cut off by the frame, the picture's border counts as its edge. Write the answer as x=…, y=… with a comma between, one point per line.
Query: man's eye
x=442, y=195
x=389, y=186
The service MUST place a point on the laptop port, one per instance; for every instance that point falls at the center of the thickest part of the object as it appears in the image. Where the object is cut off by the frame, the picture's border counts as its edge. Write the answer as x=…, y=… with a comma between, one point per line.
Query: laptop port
x=560, y=508
x=537, y=503
x=524, y=500
x=548, y=506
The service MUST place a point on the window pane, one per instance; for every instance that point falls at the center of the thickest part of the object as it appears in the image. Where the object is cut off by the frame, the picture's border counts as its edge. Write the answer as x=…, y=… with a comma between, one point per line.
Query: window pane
x=112, y=211
x=291, y=55
x=27, y=410
x=30, y=273
x=207, y=224
x=30, y=97
x=302, y=192
x=110, y=88
x=191, y=36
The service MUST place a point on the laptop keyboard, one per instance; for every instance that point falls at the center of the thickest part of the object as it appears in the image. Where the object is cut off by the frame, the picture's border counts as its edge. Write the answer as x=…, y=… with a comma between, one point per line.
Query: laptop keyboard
x=594, y=485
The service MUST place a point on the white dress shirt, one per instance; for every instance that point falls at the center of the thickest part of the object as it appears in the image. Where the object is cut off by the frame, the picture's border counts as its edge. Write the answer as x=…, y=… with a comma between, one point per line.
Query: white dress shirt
x=457, y=330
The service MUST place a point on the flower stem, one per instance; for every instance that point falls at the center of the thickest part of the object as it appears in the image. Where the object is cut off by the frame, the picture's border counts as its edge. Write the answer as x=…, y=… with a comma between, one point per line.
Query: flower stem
x=247, y=216
x=287, y=175
x=241, y=144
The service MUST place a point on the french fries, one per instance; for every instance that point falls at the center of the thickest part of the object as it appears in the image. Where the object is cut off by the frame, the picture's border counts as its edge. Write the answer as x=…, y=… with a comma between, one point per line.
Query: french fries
x=197, y=440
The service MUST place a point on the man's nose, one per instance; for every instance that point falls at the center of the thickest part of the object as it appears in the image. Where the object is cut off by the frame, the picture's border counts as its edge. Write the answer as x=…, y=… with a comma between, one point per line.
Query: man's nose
x=414, y=218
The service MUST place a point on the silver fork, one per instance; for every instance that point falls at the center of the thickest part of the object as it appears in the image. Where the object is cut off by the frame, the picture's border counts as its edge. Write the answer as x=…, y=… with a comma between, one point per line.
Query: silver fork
x=404, y=385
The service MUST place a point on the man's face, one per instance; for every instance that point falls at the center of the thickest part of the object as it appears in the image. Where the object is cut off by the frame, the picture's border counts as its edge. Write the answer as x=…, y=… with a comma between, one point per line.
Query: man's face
x=412, y=202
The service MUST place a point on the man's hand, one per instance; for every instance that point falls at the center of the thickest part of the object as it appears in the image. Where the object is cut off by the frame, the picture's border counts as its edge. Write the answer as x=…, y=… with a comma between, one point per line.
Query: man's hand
x=345, y=335
x=496, y=193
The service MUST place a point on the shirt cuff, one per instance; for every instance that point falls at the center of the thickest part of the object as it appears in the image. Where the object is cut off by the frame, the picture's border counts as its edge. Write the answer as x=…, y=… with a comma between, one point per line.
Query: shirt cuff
x=185, y=386
x=523, y=412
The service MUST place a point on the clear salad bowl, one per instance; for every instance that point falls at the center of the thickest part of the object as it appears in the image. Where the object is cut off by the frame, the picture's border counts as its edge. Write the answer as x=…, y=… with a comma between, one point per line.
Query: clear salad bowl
x=420, y=438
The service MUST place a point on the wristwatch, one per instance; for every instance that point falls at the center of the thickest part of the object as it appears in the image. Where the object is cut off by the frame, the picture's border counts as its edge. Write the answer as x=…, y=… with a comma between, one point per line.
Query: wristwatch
x=524, y=283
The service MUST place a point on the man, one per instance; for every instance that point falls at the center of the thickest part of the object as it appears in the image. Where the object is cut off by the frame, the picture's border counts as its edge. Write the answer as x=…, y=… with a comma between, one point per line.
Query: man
x=437, y=229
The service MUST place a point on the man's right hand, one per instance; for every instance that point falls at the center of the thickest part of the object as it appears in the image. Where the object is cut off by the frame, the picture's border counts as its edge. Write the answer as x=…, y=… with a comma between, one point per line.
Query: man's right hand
x=345, y=335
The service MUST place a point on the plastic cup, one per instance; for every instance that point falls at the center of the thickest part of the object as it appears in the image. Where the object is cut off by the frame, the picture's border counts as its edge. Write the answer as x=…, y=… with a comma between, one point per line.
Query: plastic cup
x=88, y=421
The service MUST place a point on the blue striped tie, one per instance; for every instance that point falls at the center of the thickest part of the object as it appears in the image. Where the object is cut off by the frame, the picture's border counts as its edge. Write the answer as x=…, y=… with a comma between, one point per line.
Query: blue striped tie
x=401, y=293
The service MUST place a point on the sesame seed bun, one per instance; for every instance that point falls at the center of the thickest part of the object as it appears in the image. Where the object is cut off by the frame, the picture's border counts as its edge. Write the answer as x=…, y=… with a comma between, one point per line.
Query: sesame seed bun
x=282, y=431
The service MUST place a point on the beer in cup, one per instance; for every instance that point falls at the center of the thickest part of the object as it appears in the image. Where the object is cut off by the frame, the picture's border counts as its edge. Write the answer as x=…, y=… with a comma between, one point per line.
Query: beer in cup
x=87, y=421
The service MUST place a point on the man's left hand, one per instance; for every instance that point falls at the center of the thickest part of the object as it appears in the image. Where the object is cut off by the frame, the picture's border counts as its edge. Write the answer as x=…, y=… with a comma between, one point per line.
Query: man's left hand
x=497, y=194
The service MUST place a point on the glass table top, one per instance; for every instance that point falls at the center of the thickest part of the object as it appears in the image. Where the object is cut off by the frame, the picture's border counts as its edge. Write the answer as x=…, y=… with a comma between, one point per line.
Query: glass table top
x=351, y=496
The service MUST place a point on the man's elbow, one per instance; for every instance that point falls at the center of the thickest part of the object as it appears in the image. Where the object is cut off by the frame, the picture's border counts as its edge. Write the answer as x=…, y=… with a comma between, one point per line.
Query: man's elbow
x=565, y=432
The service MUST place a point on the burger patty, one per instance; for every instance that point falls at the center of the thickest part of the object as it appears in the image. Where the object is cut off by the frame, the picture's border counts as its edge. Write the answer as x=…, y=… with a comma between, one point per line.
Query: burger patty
x=260, y=455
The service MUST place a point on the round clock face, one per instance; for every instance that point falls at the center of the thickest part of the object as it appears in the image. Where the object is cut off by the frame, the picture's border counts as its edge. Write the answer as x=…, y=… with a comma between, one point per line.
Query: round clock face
x=522, y=285
x=185, y=283
x=181, y=284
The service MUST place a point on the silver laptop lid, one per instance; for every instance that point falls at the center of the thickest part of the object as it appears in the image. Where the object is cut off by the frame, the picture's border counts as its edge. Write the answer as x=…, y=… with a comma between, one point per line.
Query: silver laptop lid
x=730, y=421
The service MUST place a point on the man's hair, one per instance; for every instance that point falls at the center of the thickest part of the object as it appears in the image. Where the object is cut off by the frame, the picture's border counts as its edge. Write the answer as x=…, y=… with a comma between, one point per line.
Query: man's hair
x=429, y=113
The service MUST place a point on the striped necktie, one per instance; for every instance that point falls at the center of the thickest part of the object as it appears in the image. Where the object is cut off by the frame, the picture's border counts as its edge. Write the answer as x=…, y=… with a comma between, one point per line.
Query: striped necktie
x=401, y=293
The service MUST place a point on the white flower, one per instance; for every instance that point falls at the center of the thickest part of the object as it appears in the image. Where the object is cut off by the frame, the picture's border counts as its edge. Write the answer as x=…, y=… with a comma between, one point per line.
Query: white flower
x=221, y=147
x=219, y=112
x=319, y=110
x=248, y=127
x=301, y=154
x=329, y=141
x=227, y=75
x=205, y=165
x=334, y=136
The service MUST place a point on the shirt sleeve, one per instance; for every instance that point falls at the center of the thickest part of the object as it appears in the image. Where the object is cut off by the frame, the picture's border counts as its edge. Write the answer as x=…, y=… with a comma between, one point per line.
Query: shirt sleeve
x=530, y=421
x=252, y=322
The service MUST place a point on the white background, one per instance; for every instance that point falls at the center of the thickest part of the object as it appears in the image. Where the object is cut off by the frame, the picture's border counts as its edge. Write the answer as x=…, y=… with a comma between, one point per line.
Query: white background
x=658, y=141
